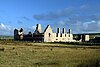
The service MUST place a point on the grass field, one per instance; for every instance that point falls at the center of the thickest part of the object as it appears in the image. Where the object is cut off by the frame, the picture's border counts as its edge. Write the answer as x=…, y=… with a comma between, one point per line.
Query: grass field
x=26, y=54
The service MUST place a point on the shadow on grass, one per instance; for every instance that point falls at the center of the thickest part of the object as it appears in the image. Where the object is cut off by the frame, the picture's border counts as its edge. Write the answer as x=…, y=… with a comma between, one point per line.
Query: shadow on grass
x=95, y=63
x=46, y=63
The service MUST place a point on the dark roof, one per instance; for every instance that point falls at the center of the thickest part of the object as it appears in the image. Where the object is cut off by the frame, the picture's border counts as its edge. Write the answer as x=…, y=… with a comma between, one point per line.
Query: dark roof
x=15, y=29
x=21, y=30
x=46, y=28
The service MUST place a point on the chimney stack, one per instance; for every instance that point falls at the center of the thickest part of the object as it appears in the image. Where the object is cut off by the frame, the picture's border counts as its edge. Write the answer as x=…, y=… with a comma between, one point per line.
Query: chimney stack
x=58, y=30
x=63, y=31
x=70, y=31
x=39, y=28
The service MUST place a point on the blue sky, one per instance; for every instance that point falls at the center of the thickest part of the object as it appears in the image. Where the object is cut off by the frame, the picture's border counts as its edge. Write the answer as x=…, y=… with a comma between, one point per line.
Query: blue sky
x=82, y=16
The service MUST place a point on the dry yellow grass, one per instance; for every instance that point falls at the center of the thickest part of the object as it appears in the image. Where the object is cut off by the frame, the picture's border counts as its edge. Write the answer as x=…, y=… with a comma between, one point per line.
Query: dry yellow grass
x=37, y=55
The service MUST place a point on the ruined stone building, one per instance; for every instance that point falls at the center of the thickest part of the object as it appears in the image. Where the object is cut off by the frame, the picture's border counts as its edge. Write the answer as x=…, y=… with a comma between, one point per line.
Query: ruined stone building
x=81, y=37
x=46, y=36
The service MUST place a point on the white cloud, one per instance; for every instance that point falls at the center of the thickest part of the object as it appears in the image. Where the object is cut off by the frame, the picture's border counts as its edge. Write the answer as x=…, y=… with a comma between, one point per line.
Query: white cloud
x=33, y=27
x=2, y=27
x=62, y=23
x=29, y=29
x=5, y=29
x=92, y=26
x=86, y=24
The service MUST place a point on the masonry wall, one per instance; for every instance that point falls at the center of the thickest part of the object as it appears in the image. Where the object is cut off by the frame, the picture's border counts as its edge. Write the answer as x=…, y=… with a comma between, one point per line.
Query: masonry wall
x=49, y=36
x=87, y=38
x=63, y=37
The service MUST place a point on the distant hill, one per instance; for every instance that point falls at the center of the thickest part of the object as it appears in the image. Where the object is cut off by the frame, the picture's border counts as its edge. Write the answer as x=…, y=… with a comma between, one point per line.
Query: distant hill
x=92, y=35
x=6, y=37
x=89, y=33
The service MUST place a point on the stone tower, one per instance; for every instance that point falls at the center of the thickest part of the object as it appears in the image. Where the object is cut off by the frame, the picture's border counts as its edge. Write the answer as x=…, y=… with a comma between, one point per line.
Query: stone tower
x=38, y=28
x=21, y=32
x=16, y=35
